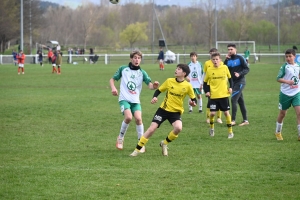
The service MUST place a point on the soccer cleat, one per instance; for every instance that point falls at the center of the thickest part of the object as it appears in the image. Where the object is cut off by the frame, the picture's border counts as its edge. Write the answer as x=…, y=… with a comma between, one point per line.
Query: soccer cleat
x=244, y=123
x=23, y=73
x=143, y=149
x=18, y=73
x=279, y=136
x=119, y=143
x=212, y=132
x=233, y=123
x=219, y=121
x=190, y=111
x=230, y=135
x=164, y=148
x=200, y=111
x=135, y=153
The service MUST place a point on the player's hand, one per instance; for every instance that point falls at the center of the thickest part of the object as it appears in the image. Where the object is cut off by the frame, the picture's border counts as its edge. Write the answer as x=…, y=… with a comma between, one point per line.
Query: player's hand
x=290, y=82
x=154, y=100
x=236, y=74
x=114, y=92
x=230, y=90
x=207, y=94
x=155, y=85
x=192, y=103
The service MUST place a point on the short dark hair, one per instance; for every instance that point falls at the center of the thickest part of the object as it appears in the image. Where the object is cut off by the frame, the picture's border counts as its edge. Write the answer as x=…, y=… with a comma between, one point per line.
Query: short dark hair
x=290, y=51
x=213, y=50
x=185, y=68
x=215, y=54
x=193, y=54
x=136, y=52
x=231, y=45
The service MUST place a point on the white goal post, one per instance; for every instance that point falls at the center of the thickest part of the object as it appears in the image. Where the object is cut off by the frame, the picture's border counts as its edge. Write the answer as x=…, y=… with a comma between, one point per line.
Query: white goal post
x=241, y=45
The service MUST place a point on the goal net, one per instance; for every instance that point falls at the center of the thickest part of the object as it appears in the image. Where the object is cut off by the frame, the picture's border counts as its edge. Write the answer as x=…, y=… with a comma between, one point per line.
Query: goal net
x=240, y=45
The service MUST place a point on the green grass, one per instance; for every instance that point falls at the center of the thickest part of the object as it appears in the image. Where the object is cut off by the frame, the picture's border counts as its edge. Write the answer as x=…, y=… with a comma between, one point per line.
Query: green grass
x=58, y=132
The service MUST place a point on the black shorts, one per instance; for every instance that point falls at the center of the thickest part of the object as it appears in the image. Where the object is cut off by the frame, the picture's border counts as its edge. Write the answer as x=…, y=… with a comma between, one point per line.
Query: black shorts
x=161, y=115
x=219, y=104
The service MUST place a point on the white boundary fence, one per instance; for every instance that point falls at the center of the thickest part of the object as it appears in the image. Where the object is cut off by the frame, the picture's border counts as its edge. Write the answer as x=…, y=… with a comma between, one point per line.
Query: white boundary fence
x=147, y=58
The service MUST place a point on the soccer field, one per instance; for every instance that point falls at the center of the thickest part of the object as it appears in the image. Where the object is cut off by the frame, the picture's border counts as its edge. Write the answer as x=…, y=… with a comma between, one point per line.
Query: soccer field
x=58, y=134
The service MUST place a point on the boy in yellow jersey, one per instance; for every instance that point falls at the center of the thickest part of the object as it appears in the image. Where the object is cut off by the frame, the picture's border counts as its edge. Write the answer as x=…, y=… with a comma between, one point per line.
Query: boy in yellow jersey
x=170, y=109
x=218, y=77
x=208, y=64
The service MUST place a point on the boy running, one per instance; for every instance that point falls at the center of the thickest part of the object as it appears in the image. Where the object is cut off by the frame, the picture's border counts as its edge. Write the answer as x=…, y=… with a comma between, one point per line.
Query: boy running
x=289, y=95
x=170, y=109
x=218, y=77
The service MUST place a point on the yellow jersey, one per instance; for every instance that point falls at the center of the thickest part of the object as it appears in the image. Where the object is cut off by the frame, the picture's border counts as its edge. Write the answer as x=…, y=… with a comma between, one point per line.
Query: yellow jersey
x=176, y=92
x=217, y=77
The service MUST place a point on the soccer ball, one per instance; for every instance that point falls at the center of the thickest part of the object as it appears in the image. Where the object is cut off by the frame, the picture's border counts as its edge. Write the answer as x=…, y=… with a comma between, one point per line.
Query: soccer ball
x=114, y=1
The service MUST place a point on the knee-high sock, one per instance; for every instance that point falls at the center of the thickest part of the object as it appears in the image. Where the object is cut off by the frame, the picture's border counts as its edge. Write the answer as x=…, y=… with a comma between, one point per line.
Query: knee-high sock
x=140, y=130
x=143, y=141
x=219, y=114
x=207, y=113
x=211, y=119
x=123, y=129
x=170, y=138
x=279, y=127
x=200, y=103
x=228, y=122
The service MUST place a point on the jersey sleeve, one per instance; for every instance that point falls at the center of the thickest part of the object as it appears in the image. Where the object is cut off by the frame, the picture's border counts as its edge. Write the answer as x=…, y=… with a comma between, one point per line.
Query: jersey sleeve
x=281, y=72
x=118, y=73
x=163, y=87
x=146, y=77
x=201, y=73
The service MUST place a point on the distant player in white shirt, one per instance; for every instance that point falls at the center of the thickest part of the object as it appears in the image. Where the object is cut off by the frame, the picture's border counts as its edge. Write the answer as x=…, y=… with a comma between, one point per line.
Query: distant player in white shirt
x=196, y=79
x=288, y=76
x=132, y=78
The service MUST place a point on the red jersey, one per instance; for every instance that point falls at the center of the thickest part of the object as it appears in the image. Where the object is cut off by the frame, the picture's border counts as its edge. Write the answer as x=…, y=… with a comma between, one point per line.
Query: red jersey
x=50, y=54
x=21, y=58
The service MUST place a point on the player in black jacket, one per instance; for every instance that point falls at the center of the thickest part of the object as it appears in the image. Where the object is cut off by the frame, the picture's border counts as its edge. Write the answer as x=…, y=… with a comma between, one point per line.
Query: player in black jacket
x=238, y=68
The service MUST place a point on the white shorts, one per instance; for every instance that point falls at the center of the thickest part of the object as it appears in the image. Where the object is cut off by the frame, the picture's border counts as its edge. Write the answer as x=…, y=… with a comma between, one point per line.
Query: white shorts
x=21, y=65
x=161, y=61
x=53, y=65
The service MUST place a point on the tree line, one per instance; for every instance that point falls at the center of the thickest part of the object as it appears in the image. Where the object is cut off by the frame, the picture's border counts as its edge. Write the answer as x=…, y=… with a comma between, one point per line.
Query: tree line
x=131, y=25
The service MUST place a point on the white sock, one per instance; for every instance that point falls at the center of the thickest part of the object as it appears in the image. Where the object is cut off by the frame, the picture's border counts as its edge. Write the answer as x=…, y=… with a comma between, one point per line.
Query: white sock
x=190, y=107
x=279, y=127
x=123, y=129
x=298, y=129
x=140, y=130
x=200, y=103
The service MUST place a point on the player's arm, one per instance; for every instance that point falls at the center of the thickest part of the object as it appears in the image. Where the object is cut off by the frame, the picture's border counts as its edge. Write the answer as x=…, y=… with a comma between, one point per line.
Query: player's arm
x=114, y=90
x=206, y=89
x=230, y=85
x=245, y=69
x=193, y=101
x=155, y=95
x=280, y=76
